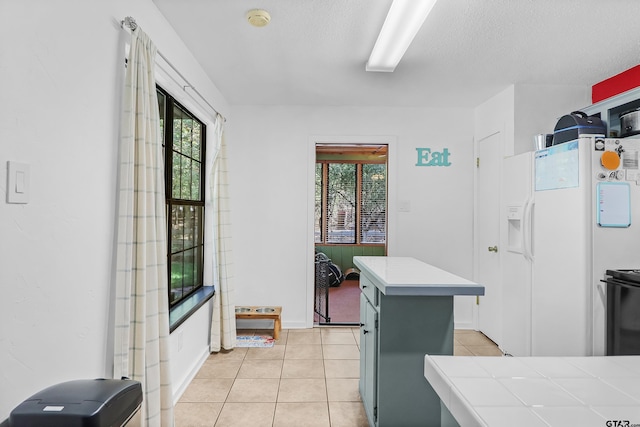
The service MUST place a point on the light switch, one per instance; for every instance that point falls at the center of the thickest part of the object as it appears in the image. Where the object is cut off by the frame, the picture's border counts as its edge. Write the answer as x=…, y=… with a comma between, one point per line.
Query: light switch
x=17, y=182
x=20, y=182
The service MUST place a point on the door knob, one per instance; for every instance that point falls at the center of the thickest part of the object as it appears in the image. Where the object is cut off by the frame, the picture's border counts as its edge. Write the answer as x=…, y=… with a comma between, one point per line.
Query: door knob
x=493, y=249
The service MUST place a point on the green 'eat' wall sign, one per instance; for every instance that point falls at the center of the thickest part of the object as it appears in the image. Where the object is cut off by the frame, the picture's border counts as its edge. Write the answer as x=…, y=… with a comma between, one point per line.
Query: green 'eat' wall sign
x=436, y=158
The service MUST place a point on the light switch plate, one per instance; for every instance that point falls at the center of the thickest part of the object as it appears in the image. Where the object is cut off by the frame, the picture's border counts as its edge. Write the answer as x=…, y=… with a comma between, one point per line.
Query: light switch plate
x=18, y=177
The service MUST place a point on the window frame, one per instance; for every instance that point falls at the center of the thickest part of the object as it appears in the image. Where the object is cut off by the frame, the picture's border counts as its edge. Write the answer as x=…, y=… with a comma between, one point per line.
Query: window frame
x=324, y=228
x=170, y=201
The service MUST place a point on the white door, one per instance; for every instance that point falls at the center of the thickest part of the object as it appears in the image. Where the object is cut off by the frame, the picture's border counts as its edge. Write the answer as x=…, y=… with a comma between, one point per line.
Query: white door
x=488, y=235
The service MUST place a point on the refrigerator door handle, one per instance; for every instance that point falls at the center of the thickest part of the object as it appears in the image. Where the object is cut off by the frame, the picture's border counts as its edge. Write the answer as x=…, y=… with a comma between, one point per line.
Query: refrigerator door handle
x=523, y=229
x=527, y=229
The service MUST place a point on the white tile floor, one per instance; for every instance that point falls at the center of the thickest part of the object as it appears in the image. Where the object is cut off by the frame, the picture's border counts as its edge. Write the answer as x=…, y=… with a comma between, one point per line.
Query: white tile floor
x=308, y=378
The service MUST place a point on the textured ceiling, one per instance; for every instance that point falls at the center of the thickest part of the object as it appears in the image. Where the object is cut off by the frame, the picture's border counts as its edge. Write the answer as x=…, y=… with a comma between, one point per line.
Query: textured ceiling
x=314, y=51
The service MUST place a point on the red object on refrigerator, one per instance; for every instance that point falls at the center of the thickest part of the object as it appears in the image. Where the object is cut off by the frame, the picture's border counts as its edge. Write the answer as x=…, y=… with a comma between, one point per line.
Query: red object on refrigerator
x=615, y=85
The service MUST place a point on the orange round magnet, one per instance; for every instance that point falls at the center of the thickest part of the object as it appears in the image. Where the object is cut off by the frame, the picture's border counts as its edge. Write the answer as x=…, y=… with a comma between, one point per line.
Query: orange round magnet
x=610, y=160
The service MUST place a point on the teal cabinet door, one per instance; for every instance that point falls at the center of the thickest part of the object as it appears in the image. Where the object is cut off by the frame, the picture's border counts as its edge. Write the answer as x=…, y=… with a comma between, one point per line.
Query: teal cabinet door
x=368, y=358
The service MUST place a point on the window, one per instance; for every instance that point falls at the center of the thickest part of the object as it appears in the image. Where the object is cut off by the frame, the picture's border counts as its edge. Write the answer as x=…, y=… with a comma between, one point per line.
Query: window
x=183, y=138
x=351, y=195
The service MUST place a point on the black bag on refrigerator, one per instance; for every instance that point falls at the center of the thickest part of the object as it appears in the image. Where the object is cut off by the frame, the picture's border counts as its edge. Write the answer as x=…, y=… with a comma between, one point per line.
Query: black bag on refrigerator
x=571, y=126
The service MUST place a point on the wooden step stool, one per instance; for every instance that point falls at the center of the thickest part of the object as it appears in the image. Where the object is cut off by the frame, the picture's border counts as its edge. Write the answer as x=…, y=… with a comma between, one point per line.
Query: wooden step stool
x=260, y=313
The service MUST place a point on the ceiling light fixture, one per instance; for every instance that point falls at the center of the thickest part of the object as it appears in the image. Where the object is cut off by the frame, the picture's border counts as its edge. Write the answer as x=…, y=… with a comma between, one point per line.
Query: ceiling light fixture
x=258, y=17
x=403, y=21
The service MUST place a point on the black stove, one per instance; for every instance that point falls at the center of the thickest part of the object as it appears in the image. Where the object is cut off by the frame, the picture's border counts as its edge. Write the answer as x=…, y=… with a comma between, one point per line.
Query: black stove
x=623, y=312
x=632, y=276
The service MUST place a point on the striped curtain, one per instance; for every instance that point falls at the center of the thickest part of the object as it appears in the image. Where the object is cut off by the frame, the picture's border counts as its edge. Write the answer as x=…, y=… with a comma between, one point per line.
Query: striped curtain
x=223, y=322
x=141, y=350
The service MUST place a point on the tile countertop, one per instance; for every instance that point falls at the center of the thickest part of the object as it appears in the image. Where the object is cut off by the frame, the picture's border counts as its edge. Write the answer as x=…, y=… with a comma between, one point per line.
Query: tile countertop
x=538, y=391
x=411, y=277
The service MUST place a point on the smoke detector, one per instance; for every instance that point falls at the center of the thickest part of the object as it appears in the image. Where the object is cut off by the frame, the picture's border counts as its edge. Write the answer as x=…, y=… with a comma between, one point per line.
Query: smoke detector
x=258, y=17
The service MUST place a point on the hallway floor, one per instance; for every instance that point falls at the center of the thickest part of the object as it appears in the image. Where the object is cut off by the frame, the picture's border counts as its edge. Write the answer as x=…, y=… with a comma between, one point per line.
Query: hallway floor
x=308, y=378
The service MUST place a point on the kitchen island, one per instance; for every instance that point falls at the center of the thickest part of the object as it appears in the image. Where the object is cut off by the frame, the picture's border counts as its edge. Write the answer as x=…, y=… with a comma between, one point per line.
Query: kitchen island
x=536, y=391
x=406, y=312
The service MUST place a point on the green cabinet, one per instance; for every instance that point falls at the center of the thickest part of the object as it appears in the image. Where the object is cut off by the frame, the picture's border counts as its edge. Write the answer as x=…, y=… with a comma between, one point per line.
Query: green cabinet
x=368, y=349
x=402, y=321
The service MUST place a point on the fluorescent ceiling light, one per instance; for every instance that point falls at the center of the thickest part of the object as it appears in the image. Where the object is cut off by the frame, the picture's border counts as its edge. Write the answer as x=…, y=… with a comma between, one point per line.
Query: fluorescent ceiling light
x=403, y=21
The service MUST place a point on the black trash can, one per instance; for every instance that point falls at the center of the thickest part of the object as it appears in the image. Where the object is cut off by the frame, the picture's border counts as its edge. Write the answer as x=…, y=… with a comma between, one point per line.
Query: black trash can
x=80, y=403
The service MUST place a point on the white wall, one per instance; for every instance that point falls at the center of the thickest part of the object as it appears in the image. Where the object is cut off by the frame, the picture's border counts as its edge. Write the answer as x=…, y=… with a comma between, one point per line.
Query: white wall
x=524, y=110
x=189, y=348
x=60, y=71
x=271, y=162
x=60, y=77
x=497, y=114
x=538, y=108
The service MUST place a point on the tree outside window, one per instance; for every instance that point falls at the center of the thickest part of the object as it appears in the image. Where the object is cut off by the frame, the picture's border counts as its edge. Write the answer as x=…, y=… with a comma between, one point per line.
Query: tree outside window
x=351, y=199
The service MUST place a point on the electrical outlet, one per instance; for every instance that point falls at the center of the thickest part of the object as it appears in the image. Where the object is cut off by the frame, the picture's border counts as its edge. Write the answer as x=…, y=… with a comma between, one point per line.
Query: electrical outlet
x=179, y=340
x=404, y=206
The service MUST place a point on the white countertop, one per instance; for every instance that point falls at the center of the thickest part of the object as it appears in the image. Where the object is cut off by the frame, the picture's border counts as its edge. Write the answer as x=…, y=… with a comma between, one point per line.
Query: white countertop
x=537, y=391
x=409, y=276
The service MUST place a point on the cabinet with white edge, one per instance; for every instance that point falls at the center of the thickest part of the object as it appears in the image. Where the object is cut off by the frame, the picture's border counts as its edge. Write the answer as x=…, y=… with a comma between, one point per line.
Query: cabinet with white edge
x=611, y=109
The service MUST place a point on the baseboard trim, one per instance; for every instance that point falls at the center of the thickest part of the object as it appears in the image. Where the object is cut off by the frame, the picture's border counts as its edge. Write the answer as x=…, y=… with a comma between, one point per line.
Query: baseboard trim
x=464, y=325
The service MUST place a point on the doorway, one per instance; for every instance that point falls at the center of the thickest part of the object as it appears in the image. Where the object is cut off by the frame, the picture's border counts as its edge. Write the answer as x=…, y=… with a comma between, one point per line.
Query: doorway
x=350, y=219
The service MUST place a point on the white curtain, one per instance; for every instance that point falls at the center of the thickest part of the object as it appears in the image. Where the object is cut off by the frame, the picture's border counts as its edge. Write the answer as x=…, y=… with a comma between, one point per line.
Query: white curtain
x=141, y=350
x=223, y=322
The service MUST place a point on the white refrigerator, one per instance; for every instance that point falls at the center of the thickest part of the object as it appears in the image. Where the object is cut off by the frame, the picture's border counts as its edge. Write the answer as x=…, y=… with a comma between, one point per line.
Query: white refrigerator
x=570, y=212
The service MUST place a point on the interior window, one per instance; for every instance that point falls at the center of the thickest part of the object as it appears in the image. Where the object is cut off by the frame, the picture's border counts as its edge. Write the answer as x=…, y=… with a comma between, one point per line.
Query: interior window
x=350, y=194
